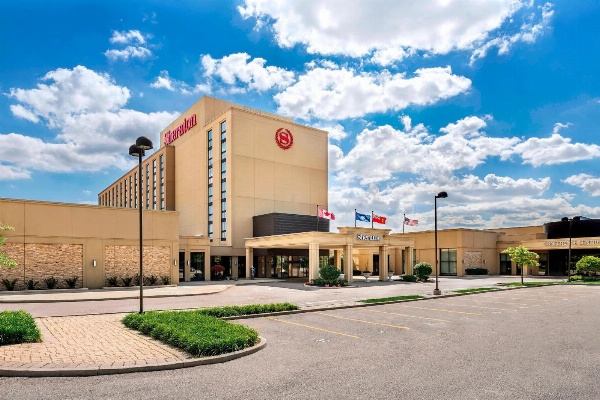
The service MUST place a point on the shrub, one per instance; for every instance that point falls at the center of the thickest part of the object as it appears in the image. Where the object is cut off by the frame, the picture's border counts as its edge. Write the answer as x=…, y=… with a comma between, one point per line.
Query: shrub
x=136, y=279
x=51, y=282
x=31, y=284
x=476, y=271
x=166, y=279
x=329, y=272
x=588, y=264
x=193, y=331
x=9, y=284
x=127, y=280
x=152, y=279
x=112, y=281
x=328, y=283
x=217, y=269
x=71, y=282
x=422, y=270
x=18, y=327
x=236, y=311
x=409, y=278
x=356, y=272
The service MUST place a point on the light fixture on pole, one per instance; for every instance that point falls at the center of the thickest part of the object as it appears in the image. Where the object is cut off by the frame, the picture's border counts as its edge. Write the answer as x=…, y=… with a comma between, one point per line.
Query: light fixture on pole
x=440, y=195
x=139, y=150
x=565, y=219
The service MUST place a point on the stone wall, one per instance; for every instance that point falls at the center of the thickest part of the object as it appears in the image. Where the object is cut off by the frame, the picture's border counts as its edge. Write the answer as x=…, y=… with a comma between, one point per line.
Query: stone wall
x=473, y=259
x=39, y=261
x=123, y=261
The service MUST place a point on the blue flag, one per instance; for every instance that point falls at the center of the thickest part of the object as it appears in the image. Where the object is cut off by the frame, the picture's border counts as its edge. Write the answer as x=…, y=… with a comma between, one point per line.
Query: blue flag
x=363, y=217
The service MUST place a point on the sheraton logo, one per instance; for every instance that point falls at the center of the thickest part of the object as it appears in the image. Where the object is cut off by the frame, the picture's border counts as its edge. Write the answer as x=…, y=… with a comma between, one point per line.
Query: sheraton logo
x=188, y=123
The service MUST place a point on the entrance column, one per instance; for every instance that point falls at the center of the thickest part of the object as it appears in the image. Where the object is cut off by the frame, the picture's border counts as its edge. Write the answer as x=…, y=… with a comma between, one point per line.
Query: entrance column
x=383, y=263
x=337, y=259
x=313, y=261
x=249, y=262
x=348, y=263
x=410, y=261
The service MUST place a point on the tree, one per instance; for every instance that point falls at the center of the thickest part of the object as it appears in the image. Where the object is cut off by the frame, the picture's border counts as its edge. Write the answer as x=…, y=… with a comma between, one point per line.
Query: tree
x=522, y=257
x=588, y=264
x=4, y=260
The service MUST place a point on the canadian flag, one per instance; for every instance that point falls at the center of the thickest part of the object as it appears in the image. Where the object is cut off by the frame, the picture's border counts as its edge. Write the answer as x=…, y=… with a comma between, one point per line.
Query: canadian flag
x=326, y=214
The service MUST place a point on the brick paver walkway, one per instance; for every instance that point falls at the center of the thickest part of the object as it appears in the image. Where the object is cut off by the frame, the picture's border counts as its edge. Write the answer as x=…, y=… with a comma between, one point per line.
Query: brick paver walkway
x=87, y=343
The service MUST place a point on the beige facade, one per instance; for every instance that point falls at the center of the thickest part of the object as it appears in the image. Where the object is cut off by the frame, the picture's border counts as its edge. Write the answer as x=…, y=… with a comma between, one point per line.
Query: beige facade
x=89, y=243
x=227, y=165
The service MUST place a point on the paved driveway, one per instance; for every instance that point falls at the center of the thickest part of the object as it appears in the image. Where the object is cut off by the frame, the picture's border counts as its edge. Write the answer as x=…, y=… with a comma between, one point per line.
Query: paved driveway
x=535, y=343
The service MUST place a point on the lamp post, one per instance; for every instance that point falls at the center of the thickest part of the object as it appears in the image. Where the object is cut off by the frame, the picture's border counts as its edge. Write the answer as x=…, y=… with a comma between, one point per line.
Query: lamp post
x=440, y=195
x=565, y=219
x=139, y=150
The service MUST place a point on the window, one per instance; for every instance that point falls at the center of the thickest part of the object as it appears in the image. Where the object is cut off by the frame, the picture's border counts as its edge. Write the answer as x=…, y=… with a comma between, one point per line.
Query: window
x=505, y=264
x=209, y=145
x=223, y=180
x=147, y=186
x=154, y=184
x=447, y=262
x=131, y=192
x=137, y=189
x=162, y=182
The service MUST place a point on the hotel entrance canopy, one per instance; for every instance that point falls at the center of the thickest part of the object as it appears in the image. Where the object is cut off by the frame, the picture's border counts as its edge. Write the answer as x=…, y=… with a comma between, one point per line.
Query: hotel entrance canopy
x=346, y=241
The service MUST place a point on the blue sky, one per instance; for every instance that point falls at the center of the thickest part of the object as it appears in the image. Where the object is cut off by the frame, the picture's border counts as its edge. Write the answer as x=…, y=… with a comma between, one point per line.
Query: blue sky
x=495, y=102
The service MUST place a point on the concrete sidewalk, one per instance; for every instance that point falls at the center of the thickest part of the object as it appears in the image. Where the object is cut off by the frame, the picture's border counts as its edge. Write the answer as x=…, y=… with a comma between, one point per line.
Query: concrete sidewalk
x=100, y=344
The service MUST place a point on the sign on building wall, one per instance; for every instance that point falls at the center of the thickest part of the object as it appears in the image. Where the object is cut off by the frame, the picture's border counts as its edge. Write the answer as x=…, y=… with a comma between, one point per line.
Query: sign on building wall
x=186, y=125
x=284, y=138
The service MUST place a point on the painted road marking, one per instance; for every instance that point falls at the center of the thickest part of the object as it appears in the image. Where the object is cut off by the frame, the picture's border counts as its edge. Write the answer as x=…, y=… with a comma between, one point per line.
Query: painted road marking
x=366, y=322
x=404, y=315
x=443, y=310
x=312, y=327
x=482, y=307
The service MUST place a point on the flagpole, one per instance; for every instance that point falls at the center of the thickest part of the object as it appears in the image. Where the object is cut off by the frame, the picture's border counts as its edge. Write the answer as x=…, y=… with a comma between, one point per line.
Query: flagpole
x=371, y=219
x=355, y=217
x=403, y=223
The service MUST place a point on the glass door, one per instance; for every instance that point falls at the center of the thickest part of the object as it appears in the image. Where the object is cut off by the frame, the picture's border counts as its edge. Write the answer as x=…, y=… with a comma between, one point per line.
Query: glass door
x=197, y=266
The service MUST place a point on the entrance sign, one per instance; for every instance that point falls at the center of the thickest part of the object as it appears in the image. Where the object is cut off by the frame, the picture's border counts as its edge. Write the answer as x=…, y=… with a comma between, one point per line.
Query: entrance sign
x=373, y=238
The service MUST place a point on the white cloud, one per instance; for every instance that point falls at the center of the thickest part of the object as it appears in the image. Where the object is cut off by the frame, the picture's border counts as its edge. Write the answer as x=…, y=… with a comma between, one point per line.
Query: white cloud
x=21, y=112
x=488, y=202
x=164, y=81
x=344, y=93
x=336, y=132
x=393, y=29
x=127, y=37
x=236, y=68
x=69, y=91
x=94, y=130
x=555, y=150
x=590, y=184
x=529, y=32
x=135, y=43
x=416, y=151
x=12, y=172
x=127, y=53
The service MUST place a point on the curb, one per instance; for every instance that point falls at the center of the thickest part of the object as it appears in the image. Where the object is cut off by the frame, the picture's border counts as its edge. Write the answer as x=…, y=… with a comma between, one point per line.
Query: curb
x=94, y=371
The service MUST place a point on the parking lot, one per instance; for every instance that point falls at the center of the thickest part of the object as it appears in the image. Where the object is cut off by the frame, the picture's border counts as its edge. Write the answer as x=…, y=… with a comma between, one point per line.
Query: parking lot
x=532, y=343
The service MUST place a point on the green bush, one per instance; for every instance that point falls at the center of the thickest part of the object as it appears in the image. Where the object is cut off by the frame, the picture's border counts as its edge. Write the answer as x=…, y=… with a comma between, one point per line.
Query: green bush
x=71, y=282
x=329, y=272
x=152, y=280
x=112, y=281
x=476, y=271
x=31, y=284
x=18, y=327
x=409, y=278
x=126, y=280
x=588, y=264
x=235, y=311
x=166, y=279
x=9, y=284
x=194, y=332
x=51, y=282
x=356, y=272
x=328, y=283
x=422, y=270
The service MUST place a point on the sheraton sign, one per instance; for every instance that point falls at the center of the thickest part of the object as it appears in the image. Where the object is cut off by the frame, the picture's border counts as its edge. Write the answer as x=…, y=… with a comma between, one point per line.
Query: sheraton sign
x=188, y=123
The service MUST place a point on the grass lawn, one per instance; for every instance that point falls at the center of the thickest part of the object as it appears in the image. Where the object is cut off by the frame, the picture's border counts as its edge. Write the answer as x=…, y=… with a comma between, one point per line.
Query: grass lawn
x=386, y=299
x=475, y=290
